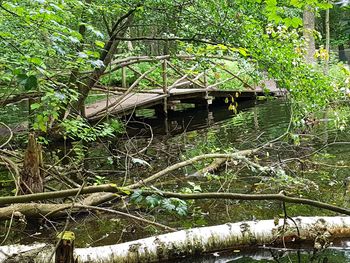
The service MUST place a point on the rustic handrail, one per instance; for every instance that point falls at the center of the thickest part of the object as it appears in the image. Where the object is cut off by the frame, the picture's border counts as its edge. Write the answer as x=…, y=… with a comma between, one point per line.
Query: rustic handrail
x=233, y=75
x=153, y=81
x=221, y=82
x=120, y=99
x=182, y=78
x=186, y=76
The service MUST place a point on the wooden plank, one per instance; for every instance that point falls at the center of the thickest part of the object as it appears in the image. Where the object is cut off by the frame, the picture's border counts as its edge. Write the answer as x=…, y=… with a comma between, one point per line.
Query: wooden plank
x=131, y=102
x=176, y=91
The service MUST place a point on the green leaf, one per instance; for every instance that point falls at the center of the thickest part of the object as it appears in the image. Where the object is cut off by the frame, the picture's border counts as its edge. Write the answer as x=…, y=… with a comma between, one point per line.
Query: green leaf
x=243, y=51
x=22, y=78
x=123, y=190
x=35, y=60
x=296, y=3
x=99, y=43
x=296, y=22
x=152, y=200
x=31, y=83
x=35, y=106
x=181, y=210
x=168, y=205
x=137, y=197
x=324, y=6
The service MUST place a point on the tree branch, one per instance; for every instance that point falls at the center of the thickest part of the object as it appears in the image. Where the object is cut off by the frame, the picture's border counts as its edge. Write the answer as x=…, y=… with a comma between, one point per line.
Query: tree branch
x=184, y=39
x=32, y=209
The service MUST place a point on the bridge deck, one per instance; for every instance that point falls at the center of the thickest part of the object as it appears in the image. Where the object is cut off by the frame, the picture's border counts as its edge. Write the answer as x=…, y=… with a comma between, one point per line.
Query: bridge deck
x=129, y=104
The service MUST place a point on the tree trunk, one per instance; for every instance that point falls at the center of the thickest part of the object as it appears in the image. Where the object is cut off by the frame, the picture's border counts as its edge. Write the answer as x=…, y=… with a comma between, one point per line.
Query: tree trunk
x=31, y=178
x=342, y=55
x=73, y=80
x=106, y=57
x=328, y=39
x=320, y=230
x=309, y=28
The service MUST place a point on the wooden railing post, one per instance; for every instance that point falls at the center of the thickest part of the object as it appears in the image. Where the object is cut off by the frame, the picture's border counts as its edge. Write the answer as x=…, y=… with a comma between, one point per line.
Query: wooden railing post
x=165, y=84
x=205, y=80
x=124, y=77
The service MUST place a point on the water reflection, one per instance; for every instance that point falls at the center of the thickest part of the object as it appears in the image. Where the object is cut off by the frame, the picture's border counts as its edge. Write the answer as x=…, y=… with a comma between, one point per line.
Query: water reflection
x=182, y=120
x=279, y=255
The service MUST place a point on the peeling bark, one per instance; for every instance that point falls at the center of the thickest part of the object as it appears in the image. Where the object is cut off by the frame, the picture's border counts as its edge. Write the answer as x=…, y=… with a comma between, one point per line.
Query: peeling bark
x=202, y=240
x=31, y=179
x=214, y=166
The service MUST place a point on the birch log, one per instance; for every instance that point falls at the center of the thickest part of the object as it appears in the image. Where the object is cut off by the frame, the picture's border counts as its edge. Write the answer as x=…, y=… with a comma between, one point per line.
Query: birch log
x=200, y=240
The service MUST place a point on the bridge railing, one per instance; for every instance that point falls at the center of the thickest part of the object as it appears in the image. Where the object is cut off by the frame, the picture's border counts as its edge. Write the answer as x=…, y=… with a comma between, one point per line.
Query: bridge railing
x=172, y=76
x=186, y=78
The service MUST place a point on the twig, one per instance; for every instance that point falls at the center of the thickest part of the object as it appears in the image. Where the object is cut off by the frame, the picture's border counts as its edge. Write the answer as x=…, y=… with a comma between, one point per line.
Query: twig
x=126, y=215
x=238, y=155
x=10, y=137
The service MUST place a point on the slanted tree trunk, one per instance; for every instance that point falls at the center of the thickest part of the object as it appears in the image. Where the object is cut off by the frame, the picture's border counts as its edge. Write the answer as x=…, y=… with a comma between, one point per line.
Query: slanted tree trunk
x=120, y=28
x=73, y=79
x=309, y=28
x=320, y=230
x=31, y=178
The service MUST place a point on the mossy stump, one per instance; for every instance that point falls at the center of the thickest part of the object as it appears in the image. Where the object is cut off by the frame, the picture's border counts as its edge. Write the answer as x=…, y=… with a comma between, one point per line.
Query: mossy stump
x=65, y=250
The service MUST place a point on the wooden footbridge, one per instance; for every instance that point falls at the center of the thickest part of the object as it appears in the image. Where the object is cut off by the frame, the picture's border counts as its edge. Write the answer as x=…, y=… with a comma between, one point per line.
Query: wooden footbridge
x=194, y=85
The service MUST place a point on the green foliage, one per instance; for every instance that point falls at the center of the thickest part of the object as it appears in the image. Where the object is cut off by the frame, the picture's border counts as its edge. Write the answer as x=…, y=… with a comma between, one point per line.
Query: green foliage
x=195, y=188
x=287, y=182
x=82, y=130
x=49, y=107
x=28, y=82
x=45, y=42
x=169, y=205
x=79, y=150
x=98, y=180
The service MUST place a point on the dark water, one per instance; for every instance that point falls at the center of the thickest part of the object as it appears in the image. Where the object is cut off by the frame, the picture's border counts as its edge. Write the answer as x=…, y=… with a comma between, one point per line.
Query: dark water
x=192, y=131
x=330, y=255
x=256, y=124
x=184, y=119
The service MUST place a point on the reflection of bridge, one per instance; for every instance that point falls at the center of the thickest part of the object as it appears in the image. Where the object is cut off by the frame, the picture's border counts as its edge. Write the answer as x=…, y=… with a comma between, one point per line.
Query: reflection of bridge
x=182, y=120
x=178, y=86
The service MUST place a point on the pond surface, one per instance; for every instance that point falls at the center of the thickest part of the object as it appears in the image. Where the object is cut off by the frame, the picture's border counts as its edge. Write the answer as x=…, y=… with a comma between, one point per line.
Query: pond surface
x=330, y=255
x=189, y=132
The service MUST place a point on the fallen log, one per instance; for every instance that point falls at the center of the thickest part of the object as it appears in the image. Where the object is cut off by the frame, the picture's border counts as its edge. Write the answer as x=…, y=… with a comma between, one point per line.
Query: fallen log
x=320, y=230
x=214, y=166
x=37, y=210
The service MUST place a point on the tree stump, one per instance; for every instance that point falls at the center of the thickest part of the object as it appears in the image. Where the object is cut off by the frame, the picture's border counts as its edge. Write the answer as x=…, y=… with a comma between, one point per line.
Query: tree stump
x=65, y=249
x=31, y=178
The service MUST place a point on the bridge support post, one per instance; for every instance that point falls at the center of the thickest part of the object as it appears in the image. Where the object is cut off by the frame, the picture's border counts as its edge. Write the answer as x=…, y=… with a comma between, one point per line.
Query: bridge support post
x=205, y=80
